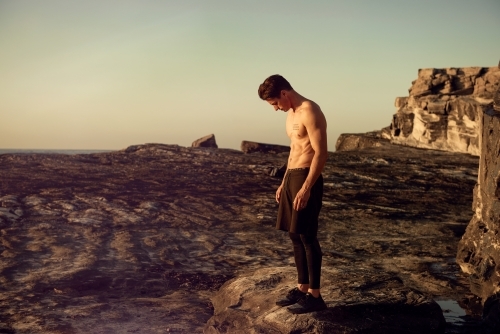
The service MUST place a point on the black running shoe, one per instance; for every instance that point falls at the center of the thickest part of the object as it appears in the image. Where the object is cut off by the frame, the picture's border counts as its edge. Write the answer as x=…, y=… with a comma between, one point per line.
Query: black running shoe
x=291, y=297
x=308, y=304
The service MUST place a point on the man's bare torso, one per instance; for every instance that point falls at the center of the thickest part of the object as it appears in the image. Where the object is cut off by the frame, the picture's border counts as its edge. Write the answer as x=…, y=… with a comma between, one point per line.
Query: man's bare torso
x=301, y=150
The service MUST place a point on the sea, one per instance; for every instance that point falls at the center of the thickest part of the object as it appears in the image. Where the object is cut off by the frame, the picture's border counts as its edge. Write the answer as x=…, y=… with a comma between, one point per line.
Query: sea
x=40, y=151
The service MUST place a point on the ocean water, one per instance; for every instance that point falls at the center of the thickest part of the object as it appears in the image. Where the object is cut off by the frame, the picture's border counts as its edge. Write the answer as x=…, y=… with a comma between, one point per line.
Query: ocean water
x=7, y=151
x=452, y=311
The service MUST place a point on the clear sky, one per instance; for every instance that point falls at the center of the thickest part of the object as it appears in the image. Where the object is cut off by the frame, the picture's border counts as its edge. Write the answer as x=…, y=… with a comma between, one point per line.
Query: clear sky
x=100, y=74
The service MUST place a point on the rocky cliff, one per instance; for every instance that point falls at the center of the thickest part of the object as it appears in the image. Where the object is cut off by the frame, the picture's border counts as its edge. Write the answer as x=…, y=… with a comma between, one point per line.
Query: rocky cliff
x=441, y=112
x=479, y=250
x=443, y=107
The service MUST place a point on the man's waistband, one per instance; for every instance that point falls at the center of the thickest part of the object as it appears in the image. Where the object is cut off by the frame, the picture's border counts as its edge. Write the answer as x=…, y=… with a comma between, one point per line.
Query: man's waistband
x=297, y=169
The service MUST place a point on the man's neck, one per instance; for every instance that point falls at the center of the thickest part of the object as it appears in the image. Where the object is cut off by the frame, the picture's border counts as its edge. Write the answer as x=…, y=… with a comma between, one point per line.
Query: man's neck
x=296, y=100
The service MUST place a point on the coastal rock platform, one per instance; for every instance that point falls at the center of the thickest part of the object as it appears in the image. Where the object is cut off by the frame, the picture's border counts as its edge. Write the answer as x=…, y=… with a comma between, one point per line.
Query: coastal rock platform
x=145, y=240
x=359, y=299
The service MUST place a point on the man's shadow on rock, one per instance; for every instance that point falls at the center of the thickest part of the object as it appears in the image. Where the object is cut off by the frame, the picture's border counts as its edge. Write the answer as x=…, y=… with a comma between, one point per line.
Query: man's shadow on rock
x=383, y=318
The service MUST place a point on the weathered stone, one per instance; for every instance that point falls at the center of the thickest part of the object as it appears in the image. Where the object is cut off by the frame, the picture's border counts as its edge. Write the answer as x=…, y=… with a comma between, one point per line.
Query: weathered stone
x=440, y=80
x=246, y=304
x=462, y=85
x=479, y=249
x=355, y=141
x=454, y=125
x=496, y=97
x=451, y=71
x=471, y=71
x=207, y=141
x=447, y=88
x=402, y=125
x=426, y=73
x=421, y=89
x=437, y=107
x=492, y=75
x=251, y=147
x=400, y=102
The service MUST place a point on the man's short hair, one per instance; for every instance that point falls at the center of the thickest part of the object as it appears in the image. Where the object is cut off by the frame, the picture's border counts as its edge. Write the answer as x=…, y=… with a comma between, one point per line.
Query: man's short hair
x=271, y=87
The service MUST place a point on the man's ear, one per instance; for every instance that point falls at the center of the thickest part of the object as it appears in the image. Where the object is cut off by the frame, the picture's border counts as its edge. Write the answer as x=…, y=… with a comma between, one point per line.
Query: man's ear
x=283, y=93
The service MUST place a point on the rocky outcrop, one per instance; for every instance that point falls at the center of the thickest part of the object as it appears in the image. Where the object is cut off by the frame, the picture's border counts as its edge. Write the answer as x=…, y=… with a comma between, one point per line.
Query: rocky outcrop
x=207, y=141
x=479, y=249
x=357, y=141
x=359, y=301
x=251, y=147
x=443, y=107
x=140, y=240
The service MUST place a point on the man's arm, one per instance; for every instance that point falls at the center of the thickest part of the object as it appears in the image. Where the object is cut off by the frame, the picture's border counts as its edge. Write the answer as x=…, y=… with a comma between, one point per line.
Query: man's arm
x=278, y=191
x=315, y=123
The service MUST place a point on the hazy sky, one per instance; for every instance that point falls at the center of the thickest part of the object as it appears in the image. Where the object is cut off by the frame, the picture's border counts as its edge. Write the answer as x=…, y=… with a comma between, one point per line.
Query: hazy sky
x=108, y=74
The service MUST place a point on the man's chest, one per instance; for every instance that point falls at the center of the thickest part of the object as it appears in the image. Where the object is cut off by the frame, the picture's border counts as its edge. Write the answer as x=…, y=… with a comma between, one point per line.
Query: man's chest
x=295, y=129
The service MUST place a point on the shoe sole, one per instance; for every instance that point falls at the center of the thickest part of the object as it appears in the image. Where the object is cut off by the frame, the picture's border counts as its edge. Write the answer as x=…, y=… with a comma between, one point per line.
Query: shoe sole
x=286, y=303
x=302, y=311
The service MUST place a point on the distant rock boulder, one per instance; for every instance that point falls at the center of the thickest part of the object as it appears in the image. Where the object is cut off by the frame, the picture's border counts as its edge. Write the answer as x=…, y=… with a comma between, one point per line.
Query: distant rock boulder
x=207, y=141
x=251, y=147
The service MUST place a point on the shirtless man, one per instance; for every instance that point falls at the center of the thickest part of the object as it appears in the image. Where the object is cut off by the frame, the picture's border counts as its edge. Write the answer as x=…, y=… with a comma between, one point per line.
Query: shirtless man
x=300, y=194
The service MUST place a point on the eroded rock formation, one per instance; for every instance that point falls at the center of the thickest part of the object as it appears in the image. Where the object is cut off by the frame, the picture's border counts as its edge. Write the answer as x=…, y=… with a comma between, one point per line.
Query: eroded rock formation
x=443, y=107
x=441, y=112
x=479, y=250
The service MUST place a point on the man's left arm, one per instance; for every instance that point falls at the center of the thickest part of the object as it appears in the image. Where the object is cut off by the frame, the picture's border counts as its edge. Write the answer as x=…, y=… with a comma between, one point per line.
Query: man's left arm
x=315, y=123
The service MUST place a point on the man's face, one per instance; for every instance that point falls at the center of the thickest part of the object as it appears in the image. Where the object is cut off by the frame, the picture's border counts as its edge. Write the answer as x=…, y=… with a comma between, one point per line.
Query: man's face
x=280, y=103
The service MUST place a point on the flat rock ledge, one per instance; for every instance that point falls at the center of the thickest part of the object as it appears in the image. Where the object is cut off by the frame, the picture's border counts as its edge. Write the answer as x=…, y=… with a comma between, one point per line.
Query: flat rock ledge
x=252, y=147
x=358, y=141
x=359, y=300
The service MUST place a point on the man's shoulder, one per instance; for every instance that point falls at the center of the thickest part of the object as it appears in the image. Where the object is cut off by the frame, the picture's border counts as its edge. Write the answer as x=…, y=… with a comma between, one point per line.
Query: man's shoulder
x=310, y=109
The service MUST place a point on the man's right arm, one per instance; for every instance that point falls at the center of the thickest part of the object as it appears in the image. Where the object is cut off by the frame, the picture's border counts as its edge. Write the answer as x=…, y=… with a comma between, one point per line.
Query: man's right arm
x=278, y=192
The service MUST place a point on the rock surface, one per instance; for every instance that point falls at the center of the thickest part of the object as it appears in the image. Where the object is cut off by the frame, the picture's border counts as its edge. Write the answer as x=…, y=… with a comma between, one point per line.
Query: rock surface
x=443, y=107
x=479, y=250
x=356, y=141
x=251, y=147
x=140, y=240
x=207, y=141
x=247, y=305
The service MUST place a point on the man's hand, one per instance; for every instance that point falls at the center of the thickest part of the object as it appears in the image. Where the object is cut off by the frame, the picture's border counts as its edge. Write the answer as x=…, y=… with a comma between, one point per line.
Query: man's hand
x=278, y=193
x=301, y=199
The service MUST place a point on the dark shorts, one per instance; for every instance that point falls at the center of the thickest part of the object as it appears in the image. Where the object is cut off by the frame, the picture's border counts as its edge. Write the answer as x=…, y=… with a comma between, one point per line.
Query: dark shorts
x=304, y=221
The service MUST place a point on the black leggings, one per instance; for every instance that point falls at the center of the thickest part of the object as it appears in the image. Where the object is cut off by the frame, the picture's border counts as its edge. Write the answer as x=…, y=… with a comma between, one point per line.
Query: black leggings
x=307, y=253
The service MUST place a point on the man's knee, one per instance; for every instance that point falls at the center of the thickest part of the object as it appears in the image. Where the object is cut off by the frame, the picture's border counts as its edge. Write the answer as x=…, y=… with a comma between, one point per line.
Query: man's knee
x=295, y=237
x=307, y=239
x=312, y=243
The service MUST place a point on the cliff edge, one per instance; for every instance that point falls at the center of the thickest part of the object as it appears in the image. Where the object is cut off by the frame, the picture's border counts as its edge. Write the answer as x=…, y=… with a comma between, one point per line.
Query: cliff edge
x=479, y=249
x=441, y=112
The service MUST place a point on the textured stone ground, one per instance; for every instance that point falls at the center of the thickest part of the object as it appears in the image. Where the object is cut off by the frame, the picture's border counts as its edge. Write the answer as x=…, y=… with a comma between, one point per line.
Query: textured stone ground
x=138, y=241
